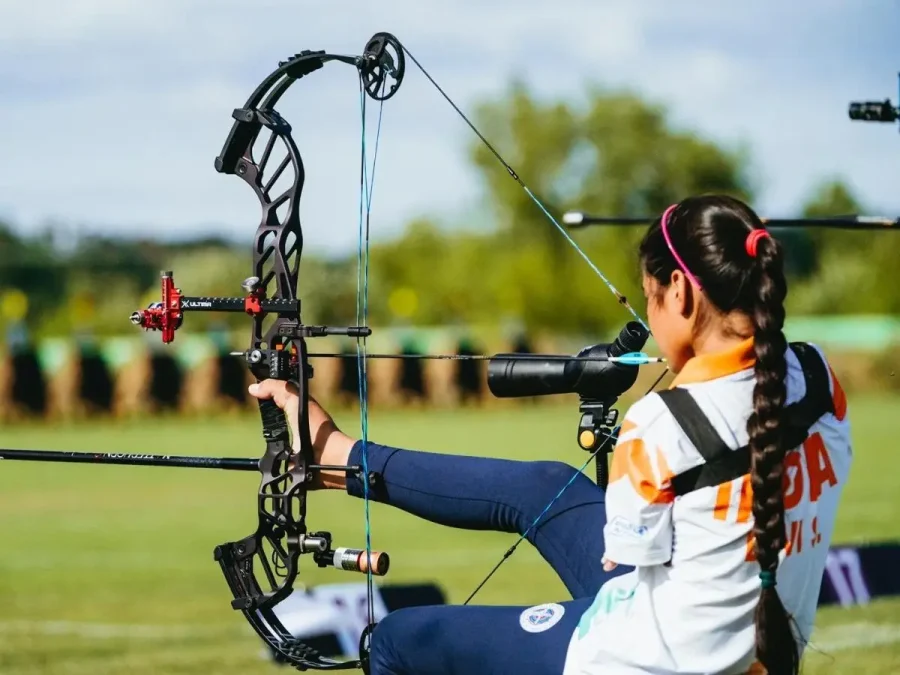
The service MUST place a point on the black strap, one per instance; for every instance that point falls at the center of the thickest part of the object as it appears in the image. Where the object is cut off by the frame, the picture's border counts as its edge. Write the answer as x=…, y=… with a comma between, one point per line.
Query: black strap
x=817, y=399
x=721, y=463
x=694, y=422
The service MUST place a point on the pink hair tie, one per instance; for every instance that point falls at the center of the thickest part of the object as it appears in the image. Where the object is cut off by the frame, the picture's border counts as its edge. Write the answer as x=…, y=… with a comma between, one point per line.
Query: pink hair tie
x=665, y=231
x=753, y=241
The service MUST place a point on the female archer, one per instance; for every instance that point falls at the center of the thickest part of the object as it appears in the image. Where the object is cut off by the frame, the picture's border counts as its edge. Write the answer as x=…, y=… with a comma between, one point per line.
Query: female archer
x=706, y=553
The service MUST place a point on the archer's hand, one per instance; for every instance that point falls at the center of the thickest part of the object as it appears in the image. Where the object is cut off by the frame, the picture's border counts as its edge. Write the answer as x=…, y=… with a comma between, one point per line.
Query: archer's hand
x=330, y=445
x=285, y=396
x=608, y=565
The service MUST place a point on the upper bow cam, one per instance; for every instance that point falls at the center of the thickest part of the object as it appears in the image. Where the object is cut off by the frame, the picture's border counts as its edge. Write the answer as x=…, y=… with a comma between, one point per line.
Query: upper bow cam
x=261, y=568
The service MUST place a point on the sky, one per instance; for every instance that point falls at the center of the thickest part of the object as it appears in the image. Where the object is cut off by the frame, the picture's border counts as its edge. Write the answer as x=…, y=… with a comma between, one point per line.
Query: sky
x=114, y=110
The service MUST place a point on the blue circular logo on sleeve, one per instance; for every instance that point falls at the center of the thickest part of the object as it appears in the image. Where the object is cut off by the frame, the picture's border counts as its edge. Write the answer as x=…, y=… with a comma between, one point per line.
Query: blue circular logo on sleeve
x=539, y=618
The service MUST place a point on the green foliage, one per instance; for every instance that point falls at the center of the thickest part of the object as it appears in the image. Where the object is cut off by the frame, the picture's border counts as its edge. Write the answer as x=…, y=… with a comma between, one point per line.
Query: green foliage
x=432, y=277
x=613, y=153
x=617, y=154
x=850, y=268
x=28, y=265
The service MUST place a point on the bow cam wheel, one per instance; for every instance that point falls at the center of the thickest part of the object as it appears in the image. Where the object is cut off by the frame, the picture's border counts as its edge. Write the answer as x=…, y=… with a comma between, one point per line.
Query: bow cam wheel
x=382, y=66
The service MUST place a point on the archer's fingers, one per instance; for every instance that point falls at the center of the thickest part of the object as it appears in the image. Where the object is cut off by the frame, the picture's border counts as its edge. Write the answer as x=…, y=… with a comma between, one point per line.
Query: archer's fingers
x=277, y=390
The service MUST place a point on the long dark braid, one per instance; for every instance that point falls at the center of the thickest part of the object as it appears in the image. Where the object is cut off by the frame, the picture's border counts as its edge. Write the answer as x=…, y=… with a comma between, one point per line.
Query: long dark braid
x=776, y=647
x=710, y=234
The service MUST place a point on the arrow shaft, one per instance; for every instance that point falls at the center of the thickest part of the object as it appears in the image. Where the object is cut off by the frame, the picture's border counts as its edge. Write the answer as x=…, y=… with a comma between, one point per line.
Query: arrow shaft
x=630, y=359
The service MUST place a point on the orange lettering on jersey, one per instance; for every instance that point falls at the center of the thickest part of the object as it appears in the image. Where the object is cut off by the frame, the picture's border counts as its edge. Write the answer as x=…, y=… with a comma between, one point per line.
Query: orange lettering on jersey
x=745, y=506
x=631, y=459
x=795, y=542
x=839, y=398
x=816, y=535
x=723, y=501
x=818, y=466
x=750, y=556
x=793, y=480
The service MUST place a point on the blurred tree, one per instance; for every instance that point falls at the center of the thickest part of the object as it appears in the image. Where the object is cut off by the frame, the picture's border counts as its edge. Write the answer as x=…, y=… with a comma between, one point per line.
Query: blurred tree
x=850, y=267
x=833, y=197
x=803, y=246
x=30, y=266
x=430, y=276
x=618, y=155
x=614, y=154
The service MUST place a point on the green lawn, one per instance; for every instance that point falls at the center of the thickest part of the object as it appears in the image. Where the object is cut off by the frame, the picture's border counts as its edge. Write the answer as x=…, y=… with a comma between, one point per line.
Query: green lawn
x=109, y=570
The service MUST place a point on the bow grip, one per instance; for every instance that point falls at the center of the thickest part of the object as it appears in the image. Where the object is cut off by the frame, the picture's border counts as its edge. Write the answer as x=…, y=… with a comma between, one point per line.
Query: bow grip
x=274, y=421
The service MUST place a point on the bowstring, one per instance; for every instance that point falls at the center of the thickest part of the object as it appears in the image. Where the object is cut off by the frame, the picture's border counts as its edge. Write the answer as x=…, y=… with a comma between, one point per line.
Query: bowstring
x=512, y=549
x=580, y=251
x=515, y=176
x=367, y=184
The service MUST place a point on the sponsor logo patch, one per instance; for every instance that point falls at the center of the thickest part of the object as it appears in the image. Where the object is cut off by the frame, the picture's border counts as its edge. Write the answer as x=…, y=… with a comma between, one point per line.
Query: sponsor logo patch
x=539, y=618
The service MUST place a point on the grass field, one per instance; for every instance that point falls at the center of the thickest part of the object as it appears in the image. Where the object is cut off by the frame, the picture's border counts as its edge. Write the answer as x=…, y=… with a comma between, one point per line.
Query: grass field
x=109, y=570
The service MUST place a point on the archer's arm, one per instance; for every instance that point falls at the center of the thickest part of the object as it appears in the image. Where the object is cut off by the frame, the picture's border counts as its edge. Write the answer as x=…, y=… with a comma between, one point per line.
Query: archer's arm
x=639, y=498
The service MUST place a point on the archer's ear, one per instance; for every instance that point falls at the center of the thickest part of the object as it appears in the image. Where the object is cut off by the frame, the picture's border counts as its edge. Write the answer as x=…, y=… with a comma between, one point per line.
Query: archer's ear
x=681, y=293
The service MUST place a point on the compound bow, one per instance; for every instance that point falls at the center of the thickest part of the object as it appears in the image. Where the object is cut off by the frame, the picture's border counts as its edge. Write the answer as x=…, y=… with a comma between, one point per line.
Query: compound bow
x=261, y=568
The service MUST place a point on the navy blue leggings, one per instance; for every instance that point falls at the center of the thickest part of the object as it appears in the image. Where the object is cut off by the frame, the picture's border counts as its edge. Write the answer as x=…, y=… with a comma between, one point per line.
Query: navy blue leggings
x=478, y=493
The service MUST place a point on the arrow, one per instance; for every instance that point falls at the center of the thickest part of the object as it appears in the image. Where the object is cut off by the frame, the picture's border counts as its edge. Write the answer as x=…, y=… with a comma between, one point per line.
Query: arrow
x=629, y=359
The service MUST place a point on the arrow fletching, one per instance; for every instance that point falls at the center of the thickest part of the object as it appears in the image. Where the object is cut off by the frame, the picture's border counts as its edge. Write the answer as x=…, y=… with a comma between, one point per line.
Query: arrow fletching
x=636, y=359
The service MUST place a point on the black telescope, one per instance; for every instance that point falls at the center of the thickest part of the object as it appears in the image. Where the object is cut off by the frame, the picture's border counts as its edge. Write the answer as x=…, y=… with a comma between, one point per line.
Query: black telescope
x=510, y=376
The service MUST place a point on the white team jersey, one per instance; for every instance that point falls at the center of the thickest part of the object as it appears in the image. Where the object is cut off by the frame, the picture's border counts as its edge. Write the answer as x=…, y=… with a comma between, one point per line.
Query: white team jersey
x=688, y=606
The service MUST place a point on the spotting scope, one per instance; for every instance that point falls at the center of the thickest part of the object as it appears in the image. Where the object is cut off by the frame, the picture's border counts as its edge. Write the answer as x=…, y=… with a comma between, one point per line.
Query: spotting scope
x=510, y=376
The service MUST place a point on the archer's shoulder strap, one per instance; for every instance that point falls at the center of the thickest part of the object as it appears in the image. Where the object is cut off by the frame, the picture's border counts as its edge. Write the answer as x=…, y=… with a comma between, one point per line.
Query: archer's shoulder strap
x=722, y=464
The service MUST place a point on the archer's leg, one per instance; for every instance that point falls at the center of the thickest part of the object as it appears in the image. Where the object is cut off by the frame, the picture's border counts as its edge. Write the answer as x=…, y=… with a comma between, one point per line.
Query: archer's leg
x=479, y=493
x=471, y=492
x=458, y=640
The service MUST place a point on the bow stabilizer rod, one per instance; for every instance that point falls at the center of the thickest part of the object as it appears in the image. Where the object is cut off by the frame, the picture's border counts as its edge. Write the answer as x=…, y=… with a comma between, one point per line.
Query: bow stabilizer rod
x=165, y=461
x=132, y=459
x=577, y=219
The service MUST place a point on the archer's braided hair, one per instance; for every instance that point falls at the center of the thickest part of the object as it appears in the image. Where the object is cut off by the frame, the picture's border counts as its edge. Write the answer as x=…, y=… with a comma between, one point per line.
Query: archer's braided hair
x=710, y=233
